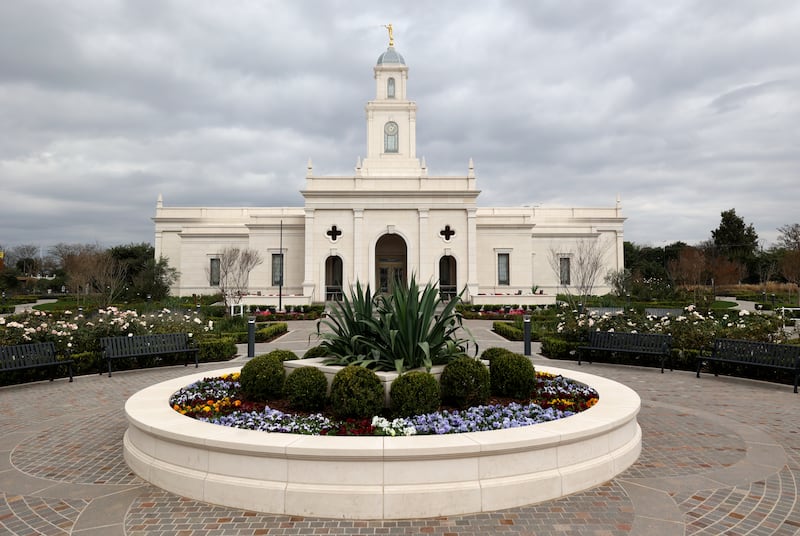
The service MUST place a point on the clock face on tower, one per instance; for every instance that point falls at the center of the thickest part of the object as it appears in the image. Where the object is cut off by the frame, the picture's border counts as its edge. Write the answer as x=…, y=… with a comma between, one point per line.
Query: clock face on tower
x=390, y=128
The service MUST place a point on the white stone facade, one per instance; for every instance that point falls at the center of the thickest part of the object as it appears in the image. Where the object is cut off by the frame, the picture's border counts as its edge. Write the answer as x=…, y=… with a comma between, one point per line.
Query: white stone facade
x=389, y=220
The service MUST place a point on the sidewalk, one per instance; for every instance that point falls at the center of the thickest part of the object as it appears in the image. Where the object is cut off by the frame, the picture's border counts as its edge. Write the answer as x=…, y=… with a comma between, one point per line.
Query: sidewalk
x=720, y=456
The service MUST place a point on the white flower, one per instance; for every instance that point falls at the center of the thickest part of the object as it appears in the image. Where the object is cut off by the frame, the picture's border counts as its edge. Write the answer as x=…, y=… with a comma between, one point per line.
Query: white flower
x=130, y=334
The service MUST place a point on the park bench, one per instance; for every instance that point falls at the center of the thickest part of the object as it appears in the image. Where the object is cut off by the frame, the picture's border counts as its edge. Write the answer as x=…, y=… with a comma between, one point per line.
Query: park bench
x=630, y=343
x=31, y=355
x=148, y=345
x=761, y=354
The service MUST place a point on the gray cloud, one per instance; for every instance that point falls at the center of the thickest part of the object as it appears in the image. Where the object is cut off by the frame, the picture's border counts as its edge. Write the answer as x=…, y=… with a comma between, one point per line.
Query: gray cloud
x=684, y=109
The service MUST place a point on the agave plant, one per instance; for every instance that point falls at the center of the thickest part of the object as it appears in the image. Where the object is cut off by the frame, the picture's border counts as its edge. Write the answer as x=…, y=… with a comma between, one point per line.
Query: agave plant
x=397, y=331
x=348, y=328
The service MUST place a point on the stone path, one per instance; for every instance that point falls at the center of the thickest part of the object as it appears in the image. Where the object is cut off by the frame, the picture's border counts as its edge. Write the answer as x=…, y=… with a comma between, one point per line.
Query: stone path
x=720, y=456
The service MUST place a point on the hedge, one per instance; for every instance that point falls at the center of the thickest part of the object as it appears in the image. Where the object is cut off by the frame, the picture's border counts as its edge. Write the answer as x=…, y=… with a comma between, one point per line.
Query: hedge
x=507, y=330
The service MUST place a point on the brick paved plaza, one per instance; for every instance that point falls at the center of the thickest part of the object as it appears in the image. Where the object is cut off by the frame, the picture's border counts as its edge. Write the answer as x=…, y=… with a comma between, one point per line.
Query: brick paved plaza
x=720, y=456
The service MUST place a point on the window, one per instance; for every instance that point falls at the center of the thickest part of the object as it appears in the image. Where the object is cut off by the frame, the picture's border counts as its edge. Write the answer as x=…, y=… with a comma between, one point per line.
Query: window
x=564, y=269
x=277, y=269
x=390, y=137
x=213, y=272
x=503, y=277
x=390, y=88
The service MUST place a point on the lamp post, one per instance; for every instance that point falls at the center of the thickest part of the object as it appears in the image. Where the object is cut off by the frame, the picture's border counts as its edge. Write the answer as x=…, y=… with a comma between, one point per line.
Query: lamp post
x=526, y=319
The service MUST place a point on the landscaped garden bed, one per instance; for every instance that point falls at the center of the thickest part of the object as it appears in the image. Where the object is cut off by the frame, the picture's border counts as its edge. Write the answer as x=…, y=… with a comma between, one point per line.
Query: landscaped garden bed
x=220, y=401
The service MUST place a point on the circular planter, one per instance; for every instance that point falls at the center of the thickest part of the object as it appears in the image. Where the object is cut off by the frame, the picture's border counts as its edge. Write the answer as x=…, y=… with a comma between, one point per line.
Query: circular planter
x=381, y=477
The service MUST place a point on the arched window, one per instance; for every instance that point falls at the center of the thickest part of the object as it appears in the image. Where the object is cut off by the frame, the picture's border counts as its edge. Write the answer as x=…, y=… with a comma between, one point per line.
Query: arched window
x=390, y=88
x=390, y=137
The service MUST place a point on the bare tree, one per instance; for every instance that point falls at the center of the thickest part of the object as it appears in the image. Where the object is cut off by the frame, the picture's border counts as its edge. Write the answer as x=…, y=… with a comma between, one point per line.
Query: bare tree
x=789, y=237
x=790, y=269
x=235, y=265
x=109, y=277
x=689, y=268
x=582, y=269
x=25, y=257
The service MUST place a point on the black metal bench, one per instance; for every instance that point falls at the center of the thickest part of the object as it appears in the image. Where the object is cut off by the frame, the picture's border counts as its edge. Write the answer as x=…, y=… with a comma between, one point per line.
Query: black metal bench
x=761, y=354
x=148, y=345
x=31, y=355
x=630, y=343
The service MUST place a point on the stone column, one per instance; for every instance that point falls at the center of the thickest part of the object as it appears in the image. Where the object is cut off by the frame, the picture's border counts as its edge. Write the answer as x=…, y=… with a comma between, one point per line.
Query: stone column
x=423, y=246
x=472, y=251
x=308, y=278
x=358, y=248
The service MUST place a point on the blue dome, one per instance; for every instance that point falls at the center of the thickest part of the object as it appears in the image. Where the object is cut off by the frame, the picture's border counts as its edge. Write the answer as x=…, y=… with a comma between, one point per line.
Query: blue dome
x=391, y=56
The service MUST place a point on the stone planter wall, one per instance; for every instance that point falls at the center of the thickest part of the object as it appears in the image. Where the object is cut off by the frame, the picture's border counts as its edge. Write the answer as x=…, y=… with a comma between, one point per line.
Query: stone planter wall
x=380, y=477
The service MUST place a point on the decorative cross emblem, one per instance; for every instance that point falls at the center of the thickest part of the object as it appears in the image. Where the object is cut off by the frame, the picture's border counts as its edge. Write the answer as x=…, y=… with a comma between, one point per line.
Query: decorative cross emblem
x=447, y=232
x=334, y=233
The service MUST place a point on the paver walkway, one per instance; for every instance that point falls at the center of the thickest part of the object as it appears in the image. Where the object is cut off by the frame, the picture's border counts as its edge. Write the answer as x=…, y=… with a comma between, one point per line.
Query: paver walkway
x=720, y=456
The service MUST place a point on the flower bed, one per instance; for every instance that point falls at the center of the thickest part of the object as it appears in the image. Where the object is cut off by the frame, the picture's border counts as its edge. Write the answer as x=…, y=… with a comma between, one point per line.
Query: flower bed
x=219, y=401
x=379, y=477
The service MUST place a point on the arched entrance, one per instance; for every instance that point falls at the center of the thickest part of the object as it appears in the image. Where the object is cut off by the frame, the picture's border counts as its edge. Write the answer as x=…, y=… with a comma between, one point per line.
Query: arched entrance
x=447, y=277
x=333, y=278
x=390, y=262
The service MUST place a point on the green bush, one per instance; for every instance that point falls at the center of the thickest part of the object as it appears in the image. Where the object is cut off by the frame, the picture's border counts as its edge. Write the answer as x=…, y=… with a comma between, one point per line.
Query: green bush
x=555, y=348
x=262, y=378
x=283, y=355
x=507, y=330
x=465, y=382
x=415, y=393
x=315, y=351
x=306, y=388
x=216, y=349
x=87, y=362
x=356, y=392
x=238, y=337
x=271, y=331
x=512, y=375
x=490, y=353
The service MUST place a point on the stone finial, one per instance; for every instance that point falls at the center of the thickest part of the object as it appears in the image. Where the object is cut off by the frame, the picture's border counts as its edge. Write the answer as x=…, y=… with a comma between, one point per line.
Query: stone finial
x=160, y=201
x=471, y=173
x=309, y=168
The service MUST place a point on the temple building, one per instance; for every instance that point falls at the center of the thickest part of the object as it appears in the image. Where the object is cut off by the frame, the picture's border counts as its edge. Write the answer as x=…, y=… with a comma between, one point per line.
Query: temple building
x=388, y=220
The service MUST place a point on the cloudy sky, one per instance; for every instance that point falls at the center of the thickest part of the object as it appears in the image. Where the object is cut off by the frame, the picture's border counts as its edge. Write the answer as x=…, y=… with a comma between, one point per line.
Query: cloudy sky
x=683, y=108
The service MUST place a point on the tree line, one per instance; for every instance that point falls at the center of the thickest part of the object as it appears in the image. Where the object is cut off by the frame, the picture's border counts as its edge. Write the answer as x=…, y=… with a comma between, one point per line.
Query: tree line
x=109, y=275
x=732, y=255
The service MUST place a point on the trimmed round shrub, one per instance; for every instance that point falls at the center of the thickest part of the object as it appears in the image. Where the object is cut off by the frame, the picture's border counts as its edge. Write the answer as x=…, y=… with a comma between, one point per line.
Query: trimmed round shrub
x=465, y=382
x=415, y=393
x=283, y=355
x=306, y=388
x=356, y=392
x=512, y=375
x=490, y=353
x=262, y=378
x=315, y=351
